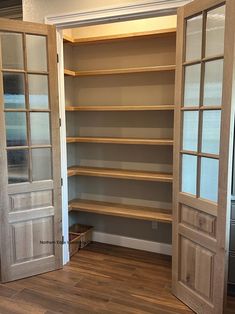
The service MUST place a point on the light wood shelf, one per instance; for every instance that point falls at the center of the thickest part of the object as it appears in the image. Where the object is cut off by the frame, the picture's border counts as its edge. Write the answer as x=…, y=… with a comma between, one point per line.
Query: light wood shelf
x=69, y=72
x=119, y=174
x=121, y=108
x=158, y=68
x=121, y=210
x=68, y=39
x=119, y=37
x=119, y=140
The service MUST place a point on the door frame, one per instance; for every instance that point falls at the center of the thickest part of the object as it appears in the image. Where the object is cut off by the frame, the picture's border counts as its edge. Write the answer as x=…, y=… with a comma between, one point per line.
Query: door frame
x=137, y=10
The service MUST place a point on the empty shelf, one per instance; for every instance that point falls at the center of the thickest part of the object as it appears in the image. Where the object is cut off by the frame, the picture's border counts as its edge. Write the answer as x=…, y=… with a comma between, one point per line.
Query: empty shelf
x=120, y=174
x=120, y=108
x=69, y=72
x=119, y=140
x=159, y=68
x=119, y=37
x=121, y=210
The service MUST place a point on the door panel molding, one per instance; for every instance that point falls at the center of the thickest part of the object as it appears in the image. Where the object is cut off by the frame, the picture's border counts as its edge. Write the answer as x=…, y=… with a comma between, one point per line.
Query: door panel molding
x=205, y=206
x=198, y=237
x=37, y=266
x=27, y=188
x=32, y=214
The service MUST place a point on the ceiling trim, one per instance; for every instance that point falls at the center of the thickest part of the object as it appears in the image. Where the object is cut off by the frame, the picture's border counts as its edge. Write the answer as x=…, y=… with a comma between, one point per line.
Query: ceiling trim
x=134, y=10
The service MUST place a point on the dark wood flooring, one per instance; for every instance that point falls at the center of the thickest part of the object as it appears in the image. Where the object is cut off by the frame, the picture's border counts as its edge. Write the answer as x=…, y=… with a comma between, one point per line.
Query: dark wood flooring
x=99, y=279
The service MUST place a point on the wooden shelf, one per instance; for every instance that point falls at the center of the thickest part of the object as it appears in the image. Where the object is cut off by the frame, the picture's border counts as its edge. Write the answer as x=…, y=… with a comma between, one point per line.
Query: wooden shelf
x=69, y=72
x=159, y=68
x=68, y=39
x=119, y=37
x=120, y=108
x=121, y=210
x=119, y=140
x=120, y=174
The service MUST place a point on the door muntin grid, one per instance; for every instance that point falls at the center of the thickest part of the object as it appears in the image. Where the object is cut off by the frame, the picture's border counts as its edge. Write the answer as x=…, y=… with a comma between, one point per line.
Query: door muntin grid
x=202, y=103
x=26, y=107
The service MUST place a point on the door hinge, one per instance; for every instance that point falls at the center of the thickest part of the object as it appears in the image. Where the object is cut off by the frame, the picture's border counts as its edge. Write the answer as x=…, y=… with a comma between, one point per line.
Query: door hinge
x=62, y=239
x=60, y=122
x=61, y=180
x=57, y=57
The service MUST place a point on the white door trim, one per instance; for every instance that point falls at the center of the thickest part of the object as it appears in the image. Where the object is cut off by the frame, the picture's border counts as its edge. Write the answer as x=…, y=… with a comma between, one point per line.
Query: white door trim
x=63, y=146
x=134, y=10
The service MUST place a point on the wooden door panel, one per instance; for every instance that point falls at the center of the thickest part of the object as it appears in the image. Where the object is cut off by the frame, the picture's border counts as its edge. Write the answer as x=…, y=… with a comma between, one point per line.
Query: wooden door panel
x=204, y=265
x=31, y=200
x=32, y=234
x=195, y=261
x=198, y=220
x=26, y=215
x=31, y=268
x=30, y=182
x=22, y=233
x=187, y=263
x=203, y=150
x=43, y=237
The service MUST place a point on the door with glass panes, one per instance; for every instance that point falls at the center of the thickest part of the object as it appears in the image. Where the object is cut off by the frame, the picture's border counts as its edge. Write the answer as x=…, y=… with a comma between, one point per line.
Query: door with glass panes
x=30, y=190
x=204, y=124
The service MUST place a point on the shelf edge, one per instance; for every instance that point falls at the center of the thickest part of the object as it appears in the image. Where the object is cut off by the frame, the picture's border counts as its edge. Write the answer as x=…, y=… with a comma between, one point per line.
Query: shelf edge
x=118, y=37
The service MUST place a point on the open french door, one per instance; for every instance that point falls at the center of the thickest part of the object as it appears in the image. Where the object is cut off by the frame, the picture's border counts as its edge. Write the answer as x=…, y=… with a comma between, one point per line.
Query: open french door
x=204, y=124
x=30, y=184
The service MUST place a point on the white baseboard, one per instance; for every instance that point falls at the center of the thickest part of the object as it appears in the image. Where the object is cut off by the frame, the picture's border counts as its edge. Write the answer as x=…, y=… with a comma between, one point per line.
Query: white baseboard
x=145, y=245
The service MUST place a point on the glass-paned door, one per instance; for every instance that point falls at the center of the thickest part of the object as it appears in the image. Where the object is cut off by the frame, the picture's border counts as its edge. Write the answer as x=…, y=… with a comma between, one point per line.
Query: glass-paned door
x=30, y=163
x=203, y=152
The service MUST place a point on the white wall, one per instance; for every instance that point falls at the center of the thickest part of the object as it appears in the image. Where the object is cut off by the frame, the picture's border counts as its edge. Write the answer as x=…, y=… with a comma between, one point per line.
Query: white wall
x=36, y=10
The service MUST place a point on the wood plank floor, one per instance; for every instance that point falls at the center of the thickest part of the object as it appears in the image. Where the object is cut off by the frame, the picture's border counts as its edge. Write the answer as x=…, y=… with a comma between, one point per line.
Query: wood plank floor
x=99, y=279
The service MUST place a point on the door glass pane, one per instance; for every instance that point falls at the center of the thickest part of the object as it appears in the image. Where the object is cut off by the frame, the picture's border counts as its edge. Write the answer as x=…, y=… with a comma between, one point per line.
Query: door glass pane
x=38, y=91
x=215, y=31
x=209, y=179
x=14, y=90
x=12, y=51
x=211, y=131
x=190, y=130
x=194, y=38
x=18, y=166
x=213, y=83
x=41, y=159
x=40, y=128
x=189, y=174
x=192, y=85
x=16, y=129
x=36, y=53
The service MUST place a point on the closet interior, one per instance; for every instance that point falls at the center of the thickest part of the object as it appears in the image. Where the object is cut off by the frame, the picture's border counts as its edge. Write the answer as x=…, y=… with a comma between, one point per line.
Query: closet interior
x=119, y=97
